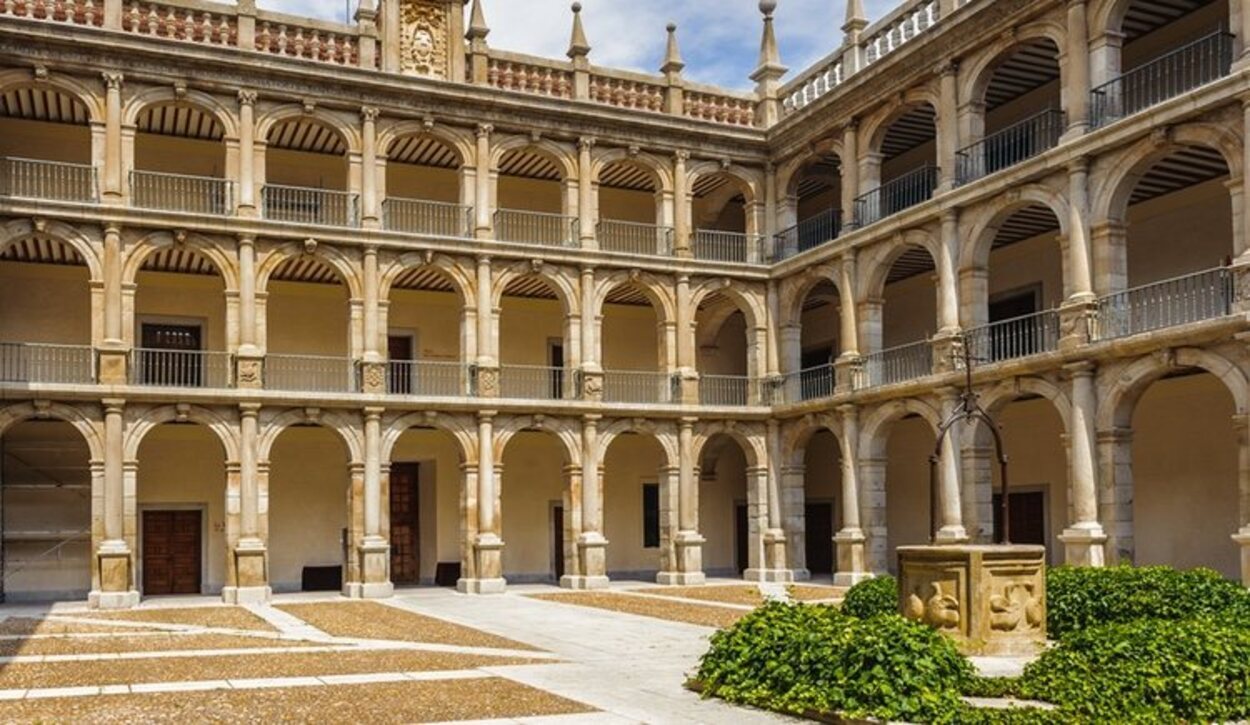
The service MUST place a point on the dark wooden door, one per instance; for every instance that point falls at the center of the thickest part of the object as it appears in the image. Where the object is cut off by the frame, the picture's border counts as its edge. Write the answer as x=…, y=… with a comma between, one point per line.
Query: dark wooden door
x=167, y=356
x=742, y=538
x=557, y=538
x=819, y=535
x=1028, y=518
x=399, y=352
x=171, y=552
x=405, y=523
x=556, y=361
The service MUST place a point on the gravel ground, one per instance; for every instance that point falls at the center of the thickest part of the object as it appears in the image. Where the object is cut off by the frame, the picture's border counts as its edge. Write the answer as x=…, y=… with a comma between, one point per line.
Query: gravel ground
x=386, y=703
x=732, y=594
x=227, y=667
x=707, y=616
x=368, y=620
x=149, y=643
x=33, y=625
x=815, y=593
x=215, y=617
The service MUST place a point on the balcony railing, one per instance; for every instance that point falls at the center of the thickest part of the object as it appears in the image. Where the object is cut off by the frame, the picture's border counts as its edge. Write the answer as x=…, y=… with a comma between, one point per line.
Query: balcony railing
x=533, y=382
x=1010, y=146
x=417, y=216
x=310, y=206
x=717, y=246
x=1178, y=72
x=810, y=384
x=629, y=386
x=429, y=378
x=22, y=362
x=311, y=373
x=1179, y=301
x=899, y=364
x=181, y=368
x=533, y=227
x=894, y=196
x=807, y=234
x=634, y=238
x=727, y=390
x=1015, y=338
x=52, y=180
x=178, y=192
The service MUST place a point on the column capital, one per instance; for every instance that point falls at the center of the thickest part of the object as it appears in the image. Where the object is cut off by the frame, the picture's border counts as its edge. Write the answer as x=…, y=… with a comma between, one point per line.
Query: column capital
x=1082, y=369
x=249, y=410
x=486, y=416
x=113, y=80
x=247, y=239
x=373, y=413
x=681, y=155
x=370, y=113
x=586, y=143
x=113, y=406
x=112, y=228
x=248, y=97
x=484, y=130
x=949, y=67
x=1078, y=165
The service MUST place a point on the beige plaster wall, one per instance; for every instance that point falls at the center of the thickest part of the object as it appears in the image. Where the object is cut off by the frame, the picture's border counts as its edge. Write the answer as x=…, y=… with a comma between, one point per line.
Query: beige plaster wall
x=172, y=155
x=182, y=299
x=628, y=206
x=433, y=317
x=630, y=339
x=907, y=484
x=1201, y=216
x=438, y=495
x=631, y=462
x=45, y=303
x=410, y=181
x=45, y=141
x=1033, y=436
x=721, y=490
x=531, y=485
x=308, y=319
x=526, y=326
x=515, y=192
x=300, y=168
x=728, y=353
x=308, y=489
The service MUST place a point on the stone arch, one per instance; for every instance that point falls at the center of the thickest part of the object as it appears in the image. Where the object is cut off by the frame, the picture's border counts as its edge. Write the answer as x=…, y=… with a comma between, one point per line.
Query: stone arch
x=564, y=159
x=465, y=283
x=569, y=435
x=138, y=253
x=347, y=269
x=346, y=428
x=796, y=436
x=460, y=428
x=1009, y=391
x=653, y=287
x=458, y=142
x=19, y=229
x=91, y=98
x=749, y=437
x=657, y=168
x=665, y=435
x=875, y=431
x=89, y=428
x=877, y=126
x=876, y=264
x=162, y=95
x=747, y=300
x=794, y=290
x=274, y=117
x=225, y=430
x=750, y=181
x=974, y=252
x=564, y=285
x=976, y=75
x=788, y=171
x=1119, y=399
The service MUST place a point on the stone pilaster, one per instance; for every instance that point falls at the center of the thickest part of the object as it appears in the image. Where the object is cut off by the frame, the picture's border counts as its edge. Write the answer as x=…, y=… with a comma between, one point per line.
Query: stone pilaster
x=114, y=558
x=688, y=544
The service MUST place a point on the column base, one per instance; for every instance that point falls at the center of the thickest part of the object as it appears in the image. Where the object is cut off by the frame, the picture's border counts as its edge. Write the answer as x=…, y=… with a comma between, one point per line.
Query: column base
x=246, y=595
x=113, y=600
x=1084, y=545
x=951, y=536
x=481, y=586
x=769, y=576
x=1243, y=540
x=852, y=565
x=374, y=590
x=851, y=578
x=802, y=575
x=584, y=583
x=592, y=552
x=681, y=579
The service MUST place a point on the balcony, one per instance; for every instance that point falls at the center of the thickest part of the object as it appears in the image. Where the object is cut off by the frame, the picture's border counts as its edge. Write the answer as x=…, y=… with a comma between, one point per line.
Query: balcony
x=632, y=238
x=311, y=374
x=1012, y=145
x=811, y=384
x=38, y=363
x=1176, y=73
x=899, y=364
x=302, y=205
x=1015, y=338
x=416, y=216
x=429, y=379
x=181, y=368
x=1180, y=301
x=533, y=382
x=48, y=180
x=533, y=227
x=733, y=391
x=179, y=192
x=716, y=246
x=807, y=234
x=642, y=387
x=894, y=196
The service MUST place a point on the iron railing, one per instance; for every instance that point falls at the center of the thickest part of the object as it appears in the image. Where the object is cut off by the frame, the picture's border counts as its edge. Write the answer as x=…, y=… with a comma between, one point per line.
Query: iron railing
x=634, y=238
x=727, y=390
x=311, y=373
x=1014, y=338
x=22, y=362
x=533, y=227
x=179, y=192
x=303, y=205
x=899, y=364
x=417, y=216
x=908, y=190
x=1010, y=146
x=1178, y=301
x=717, y=246
x=810, y=384
x=54, y=180
x=181, y=368
x=429, y=378
x=535, y=382
x=1207, y=59
x=807, y=234
x=631, y=386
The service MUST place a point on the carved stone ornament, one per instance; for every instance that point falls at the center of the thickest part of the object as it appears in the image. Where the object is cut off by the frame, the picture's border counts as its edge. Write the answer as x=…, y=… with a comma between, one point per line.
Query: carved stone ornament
x=423, y=38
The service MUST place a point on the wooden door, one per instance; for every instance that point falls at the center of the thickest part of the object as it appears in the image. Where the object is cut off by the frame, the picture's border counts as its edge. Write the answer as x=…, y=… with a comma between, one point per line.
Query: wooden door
x=405, y=523
x=399, y=352
x=171, y=552
x=167, y=358
x=1028, y=518
x=557, y=541
x=819, y=534
x=742, y=538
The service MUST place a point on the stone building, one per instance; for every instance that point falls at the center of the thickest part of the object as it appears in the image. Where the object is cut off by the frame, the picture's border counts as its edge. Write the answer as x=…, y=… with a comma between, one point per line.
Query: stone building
x=290, y=304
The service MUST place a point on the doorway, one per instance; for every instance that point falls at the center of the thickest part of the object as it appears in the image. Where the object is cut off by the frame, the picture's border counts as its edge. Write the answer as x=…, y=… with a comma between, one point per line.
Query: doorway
x=557, y=540
x=399, y=350
x=1028, y=517
x=171, y=552
x=819, y=537
x=555, y=360
x=742, y=537
x=405, y=526
x=168, y=355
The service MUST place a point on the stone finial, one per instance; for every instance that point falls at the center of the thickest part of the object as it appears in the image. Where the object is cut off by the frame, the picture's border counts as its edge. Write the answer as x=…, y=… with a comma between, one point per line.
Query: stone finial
x=856, y=19
x=579, y=47
x=672, y=54
x=366, y=12
x=770, y=67
x=478, y=29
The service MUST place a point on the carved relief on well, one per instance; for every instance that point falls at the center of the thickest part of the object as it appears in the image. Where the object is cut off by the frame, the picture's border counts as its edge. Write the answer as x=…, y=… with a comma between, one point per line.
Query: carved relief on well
x=423, y=38
x=935, y=596
x=1015, y=606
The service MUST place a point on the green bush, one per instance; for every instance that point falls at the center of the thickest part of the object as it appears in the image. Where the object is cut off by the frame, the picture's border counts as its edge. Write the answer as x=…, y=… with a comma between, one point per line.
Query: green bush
x=1078, y=598
x=800, y=658
x=872, y=597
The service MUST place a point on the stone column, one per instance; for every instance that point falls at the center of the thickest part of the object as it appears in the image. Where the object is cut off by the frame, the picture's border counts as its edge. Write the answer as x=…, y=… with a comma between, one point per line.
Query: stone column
x=113, y=352
x=1242, y=538
x=850, y=172
x=950, y=508
x=487, y=546
x=873, y=503
x=251, y=579
x=1115, y=478
x=586, y=194
x=247, y=153
x=948, y=281
x=776, y=561
x=948, y=123
x=1078, y=314
x=687, y=365
x=592, y=323
x=114, y=557
x=487, y=361
x=1084, y=540
x=794, y=507
x=681, y=211
x=1240, y=11
x=849, y=364
x=249, y=358
x=373, y=367
x=592, y=547
x=689, y=543
x=114, y=171
x=369, y=201
x=1109, y=244
x=1241, y=236
x=485, y=227
x=850, y=540
x=1077, y=82
x=373, y=551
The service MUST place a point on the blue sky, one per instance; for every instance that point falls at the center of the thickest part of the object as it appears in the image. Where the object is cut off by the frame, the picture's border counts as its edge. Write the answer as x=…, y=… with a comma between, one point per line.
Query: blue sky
x=719, y=38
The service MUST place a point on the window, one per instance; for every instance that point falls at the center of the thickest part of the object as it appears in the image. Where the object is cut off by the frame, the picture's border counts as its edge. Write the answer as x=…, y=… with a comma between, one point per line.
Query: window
x=651, y=515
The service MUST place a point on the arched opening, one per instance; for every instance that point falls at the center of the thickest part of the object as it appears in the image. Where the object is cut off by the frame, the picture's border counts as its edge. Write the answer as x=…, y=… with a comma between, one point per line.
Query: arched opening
x=180, y=322
x=424, y=194
x=897, y=329
x=636, y=491
x=532, y=198
x=813, y=213
x=46, y=330
x=819, y=318
x=724, y=227
x=537, y=517
x=45, y=482
x=45, y=145
x=635, y=347
x=822, y=506
x=423, y=521
x=309, y=487
x=632, y=214
x=903, y=168
x=908, y=446
x=427, y=327
x=310, y=338
x=725, y=347
x=1018, y=112
x=180, y=161
x=181, y=516
x=306, y=174
x=731, y=536
x=1184, y=478
x=534, y=337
